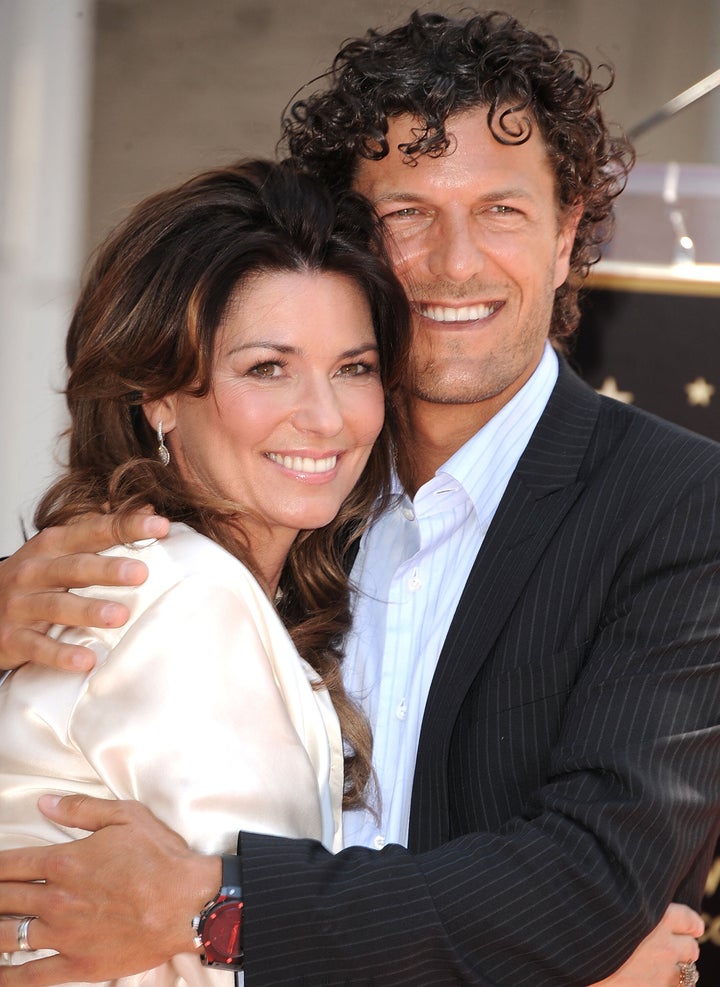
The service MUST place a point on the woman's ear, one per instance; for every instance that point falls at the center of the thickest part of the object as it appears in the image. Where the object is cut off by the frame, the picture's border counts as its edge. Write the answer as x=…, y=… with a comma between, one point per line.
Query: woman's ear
x=162, y=416
x=161, y=410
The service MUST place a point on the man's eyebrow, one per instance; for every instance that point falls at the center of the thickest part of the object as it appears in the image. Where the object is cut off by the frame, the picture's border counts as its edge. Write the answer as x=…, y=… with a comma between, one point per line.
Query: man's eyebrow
x=399, y=197
x=492, y=195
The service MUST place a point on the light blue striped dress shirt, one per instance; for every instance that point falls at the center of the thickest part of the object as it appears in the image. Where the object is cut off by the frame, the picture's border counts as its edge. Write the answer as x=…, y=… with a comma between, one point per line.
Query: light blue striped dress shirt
x=410, y=572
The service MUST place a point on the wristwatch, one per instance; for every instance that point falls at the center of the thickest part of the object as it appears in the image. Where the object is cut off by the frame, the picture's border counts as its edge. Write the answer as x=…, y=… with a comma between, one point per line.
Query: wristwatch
x=218, y=927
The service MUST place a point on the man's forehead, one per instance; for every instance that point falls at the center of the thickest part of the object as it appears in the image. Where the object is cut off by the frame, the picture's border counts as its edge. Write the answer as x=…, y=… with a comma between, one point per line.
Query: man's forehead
x=473, y=148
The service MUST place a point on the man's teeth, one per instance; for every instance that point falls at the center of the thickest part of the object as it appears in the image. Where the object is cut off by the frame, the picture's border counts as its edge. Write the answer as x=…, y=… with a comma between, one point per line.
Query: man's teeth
x=467, y=313
x=304, y=464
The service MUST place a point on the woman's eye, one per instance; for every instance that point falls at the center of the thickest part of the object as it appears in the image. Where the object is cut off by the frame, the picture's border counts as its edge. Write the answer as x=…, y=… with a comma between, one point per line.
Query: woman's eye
x=355, y=369
x=265, y=369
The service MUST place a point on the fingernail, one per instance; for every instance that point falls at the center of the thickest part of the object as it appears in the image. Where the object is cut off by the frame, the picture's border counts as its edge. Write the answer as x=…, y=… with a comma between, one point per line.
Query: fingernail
x=109, y=615
x=132, y=572
x=155, y=525
x=49, y=801
x=81, y=662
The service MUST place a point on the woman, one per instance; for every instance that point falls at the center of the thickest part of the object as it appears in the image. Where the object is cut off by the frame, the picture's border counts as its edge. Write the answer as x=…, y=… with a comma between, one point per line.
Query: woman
x=227, y=358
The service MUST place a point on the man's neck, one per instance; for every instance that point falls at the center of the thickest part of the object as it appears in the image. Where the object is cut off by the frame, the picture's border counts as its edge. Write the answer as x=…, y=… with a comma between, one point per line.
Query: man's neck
x=438, y=431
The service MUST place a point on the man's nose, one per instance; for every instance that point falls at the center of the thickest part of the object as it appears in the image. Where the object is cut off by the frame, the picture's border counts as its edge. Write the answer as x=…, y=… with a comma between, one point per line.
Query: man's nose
x=456, y=253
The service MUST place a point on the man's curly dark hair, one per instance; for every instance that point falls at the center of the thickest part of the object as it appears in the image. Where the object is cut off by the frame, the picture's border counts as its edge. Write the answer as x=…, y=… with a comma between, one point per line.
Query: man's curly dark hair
x=434, y=66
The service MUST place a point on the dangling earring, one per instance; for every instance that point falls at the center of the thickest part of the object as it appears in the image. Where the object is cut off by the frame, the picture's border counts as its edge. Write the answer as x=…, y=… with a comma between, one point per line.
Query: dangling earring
x=163, y=453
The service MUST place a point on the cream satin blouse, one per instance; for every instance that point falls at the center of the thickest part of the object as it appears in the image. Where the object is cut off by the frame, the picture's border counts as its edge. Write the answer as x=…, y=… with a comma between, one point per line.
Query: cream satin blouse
x=199, y=707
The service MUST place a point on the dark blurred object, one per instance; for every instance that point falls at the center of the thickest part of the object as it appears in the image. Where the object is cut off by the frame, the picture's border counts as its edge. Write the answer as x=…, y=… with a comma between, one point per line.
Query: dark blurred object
x=650, y=335
x=650, y=330
x=658, y=351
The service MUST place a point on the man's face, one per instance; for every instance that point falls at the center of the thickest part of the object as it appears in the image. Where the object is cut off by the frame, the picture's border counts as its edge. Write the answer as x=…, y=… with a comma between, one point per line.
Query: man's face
x=477, y=238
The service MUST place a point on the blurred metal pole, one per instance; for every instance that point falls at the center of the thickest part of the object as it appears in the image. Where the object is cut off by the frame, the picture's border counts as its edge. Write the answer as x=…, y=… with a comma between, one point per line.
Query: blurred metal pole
x=675, y=105
x=45, y=59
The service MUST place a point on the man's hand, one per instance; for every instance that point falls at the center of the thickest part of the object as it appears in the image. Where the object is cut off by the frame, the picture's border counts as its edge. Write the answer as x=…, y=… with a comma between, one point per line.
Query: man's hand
x=33, y=584
x=115, y=903
x=120, y=901
x=655, y=961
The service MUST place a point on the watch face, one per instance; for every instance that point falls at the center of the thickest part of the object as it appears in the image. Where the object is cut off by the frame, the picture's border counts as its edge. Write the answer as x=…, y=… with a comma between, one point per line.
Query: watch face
x=221, y=933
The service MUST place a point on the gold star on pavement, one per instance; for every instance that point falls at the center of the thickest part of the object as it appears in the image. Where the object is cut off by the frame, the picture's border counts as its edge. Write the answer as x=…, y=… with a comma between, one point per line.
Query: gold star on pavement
x=610, y=389
x=699, y=392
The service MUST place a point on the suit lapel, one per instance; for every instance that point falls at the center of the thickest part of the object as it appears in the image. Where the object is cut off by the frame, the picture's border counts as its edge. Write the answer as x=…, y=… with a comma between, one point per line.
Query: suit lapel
x=541, y=491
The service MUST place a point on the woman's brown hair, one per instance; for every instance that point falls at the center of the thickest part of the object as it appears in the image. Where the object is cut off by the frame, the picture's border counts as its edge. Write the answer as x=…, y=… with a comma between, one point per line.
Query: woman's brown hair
x=145, y=326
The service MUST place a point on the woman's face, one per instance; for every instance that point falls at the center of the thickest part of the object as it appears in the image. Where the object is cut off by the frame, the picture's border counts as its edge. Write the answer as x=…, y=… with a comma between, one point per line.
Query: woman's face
x=295, y=405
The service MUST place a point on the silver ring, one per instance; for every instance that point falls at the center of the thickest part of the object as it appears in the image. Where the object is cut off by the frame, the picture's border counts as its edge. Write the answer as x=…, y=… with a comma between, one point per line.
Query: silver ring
x=689, y=975
x=22, y=934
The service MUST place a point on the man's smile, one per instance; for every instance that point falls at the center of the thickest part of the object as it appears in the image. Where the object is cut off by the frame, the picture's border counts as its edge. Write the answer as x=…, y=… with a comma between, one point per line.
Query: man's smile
x=454, y=313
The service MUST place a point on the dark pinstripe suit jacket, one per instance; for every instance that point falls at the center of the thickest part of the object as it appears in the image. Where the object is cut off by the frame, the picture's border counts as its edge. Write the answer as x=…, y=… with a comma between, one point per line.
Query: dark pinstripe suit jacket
x=568, y=776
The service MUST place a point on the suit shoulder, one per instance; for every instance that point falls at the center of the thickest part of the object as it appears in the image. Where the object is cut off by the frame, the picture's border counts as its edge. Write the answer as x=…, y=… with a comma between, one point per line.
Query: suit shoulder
x=642, y=445
x=657, y=431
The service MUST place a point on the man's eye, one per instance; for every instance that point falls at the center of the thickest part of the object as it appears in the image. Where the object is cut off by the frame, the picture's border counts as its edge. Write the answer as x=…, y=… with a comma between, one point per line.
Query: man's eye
x=406, y=213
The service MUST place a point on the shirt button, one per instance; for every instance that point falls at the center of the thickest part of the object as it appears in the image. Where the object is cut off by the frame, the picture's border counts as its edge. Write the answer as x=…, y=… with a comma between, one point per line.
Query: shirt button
x=401, y=710
x=414, y=583
x=408, y=513
x=379, y=842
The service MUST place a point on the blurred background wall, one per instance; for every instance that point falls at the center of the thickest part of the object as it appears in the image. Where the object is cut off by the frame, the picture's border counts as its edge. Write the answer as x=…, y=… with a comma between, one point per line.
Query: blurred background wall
x=103, y=101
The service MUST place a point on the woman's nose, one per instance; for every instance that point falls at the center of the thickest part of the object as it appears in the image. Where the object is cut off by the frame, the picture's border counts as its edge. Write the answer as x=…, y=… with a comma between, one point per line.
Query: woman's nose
x=318, y=409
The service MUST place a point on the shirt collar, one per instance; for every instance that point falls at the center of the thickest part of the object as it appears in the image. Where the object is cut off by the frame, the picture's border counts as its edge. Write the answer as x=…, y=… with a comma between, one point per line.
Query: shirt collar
x=492, y=454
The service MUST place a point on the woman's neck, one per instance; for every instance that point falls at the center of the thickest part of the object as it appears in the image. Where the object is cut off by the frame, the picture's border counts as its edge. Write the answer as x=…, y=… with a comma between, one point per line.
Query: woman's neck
x=268, y=549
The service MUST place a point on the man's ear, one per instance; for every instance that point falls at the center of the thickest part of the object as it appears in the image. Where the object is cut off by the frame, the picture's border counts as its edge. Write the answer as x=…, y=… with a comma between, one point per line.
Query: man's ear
x=566, y=240
x=162, y=410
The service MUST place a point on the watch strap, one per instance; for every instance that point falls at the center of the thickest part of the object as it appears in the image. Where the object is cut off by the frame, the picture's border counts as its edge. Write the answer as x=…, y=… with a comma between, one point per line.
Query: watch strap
x=232, y=873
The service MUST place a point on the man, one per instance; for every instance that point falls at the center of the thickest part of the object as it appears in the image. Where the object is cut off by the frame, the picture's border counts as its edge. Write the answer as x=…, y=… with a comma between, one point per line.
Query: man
x=536, y=628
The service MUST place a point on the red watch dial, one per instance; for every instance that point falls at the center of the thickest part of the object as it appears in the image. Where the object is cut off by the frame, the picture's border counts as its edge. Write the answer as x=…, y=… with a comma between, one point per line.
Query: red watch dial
x=221, y=933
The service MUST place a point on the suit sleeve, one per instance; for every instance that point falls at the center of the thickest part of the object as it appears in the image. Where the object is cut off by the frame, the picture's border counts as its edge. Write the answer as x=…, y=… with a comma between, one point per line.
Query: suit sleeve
x=562, y=894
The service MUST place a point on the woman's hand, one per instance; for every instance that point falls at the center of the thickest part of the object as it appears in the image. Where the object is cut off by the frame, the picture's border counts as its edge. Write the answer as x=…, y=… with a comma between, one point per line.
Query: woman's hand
x=34, y=583
x=655, y=962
